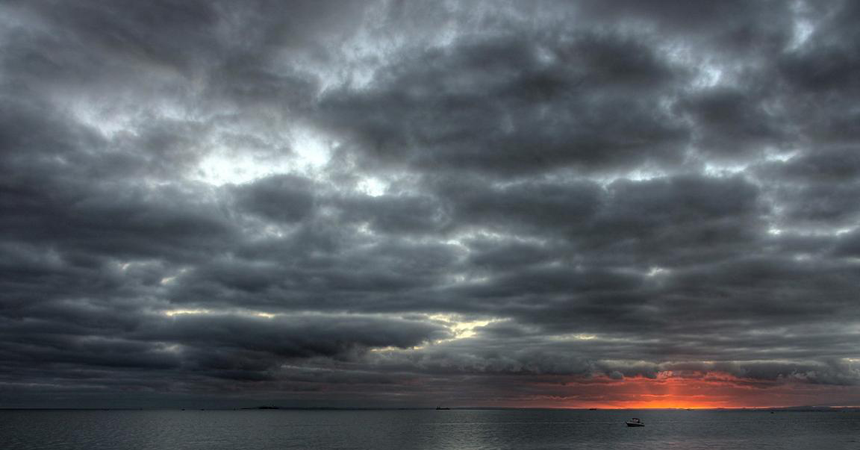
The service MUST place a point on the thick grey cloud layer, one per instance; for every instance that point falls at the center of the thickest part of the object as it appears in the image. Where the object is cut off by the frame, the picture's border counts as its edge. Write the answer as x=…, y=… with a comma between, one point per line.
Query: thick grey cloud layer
x=374, y=203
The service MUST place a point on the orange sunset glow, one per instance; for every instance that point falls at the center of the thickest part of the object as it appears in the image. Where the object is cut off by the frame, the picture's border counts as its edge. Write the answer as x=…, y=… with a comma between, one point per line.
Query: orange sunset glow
x=673, y=392
x=698, y=390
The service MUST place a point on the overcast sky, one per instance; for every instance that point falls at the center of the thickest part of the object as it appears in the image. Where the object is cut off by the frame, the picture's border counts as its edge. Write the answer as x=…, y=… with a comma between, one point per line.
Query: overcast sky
x=585, y=204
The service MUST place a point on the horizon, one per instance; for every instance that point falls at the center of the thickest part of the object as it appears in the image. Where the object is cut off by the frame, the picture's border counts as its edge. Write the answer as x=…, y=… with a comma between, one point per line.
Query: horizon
x=554, y=205
x=797, y=408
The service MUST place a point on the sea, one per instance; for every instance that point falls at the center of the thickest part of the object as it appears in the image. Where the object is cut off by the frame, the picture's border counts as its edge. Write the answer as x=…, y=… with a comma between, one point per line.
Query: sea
x=426, y=429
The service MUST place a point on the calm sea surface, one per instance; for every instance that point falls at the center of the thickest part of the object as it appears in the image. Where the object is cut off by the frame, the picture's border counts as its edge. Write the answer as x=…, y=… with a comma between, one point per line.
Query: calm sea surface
x=382, y=430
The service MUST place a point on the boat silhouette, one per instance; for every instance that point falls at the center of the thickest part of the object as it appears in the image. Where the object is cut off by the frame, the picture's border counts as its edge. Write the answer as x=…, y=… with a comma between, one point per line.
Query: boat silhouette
x=635, y=422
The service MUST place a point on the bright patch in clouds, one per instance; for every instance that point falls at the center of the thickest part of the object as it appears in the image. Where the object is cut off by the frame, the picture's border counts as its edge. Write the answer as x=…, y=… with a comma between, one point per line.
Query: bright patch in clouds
x=313, y=149
x=224, y=166
x=205, y=312
x=305, y=152
x=461, y=329
x=372, y=186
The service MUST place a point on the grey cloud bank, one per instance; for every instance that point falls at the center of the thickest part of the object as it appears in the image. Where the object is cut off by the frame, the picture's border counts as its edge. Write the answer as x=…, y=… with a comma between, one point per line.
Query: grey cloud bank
x=387, y=203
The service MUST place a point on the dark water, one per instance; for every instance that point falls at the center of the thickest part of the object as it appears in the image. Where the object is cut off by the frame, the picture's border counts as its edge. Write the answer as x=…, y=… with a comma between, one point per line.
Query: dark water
x=464, y=430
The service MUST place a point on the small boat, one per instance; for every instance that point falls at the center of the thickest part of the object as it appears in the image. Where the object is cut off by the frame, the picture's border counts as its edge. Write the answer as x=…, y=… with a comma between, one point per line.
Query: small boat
x=634, y=422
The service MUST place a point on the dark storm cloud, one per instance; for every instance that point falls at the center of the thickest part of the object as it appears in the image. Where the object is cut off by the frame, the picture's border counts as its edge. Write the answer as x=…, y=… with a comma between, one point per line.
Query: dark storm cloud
x=279, y=198
x=734, y=121
x=817, y=188
x=514, y=104
x=89, y=335
x=492, y=202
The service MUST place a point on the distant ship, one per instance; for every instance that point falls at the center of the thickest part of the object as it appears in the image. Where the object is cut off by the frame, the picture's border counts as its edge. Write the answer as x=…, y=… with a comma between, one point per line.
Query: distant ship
x=634, y=422
x=440, y=408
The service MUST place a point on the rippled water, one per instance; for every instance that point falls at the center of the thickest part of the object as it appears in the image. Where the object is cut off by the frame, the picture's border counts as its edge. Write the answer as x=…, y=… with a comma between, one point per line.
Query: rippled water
x=465, y=430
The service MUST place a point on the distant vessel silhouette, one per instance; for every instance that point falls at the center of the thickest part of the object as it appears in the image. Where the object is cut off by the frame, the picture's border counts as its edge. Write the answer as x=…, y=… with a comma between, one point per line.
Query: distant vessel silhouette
x=440, y=408
x=635, y=422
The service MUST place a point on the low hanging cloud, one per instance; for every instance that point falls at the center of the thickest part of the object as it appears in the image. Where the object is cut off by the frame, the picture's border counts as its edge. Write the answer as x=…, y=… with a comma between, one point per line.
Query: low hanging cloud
x=538, y=204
